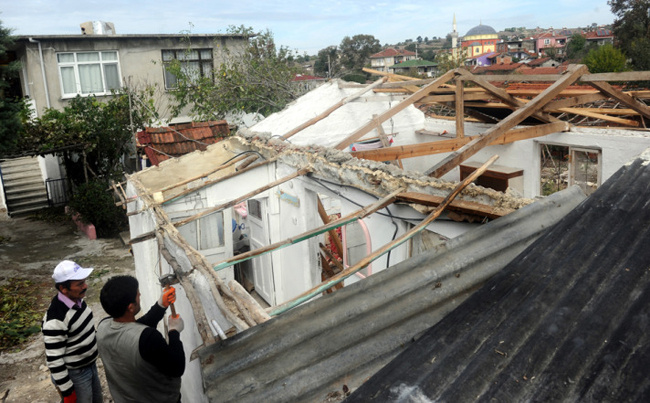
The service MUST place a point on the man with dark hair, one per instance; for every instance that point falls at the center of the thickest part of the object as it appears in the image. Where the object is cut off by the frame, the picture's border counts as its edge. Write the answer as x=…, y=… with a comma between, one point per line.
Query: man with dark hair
x=69, y=335
x=140, y=365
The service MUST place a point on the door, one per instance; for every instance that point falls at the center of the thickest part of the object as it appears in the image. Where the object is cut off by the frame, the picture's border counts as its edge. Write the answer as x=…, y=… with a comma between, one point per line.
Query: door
x=259, y=237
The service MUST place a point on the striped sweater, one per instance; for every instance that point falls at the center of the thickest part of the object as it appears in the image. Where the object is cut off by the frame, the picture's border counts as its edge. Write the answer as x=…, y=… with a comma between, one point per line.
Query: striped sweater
x=70, y=342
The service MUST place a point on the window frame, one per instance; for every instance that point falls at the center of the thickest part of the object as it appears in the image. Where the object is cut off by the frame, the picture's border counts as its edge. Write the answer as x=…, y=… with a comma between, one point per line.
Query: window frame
x=75, y=64
x=185, y=52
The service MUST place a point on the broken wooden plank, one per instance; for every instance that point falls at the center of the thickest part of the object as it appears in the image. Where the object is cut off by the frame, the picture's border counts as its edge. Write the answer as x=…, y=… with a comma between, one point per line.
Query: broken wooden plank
x=307, y=295
x=622, y=76
x=573, y=101
x=258, y=313
x=459, y=102
x=573, y=73
x=332, y=233
x=466, y=207
x=450, y=145
x=610, y=91
x=240, y=199
x=331, y=109
x=589, y=114
x=361, y=213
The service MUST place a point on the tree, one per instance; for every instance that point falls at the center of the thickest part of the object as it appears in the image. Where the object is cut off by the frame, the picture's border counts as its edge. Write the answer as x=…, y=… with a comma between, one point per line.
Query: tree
x=356, y=51
x=575, y=48
x=605, y=59
x=419, y=39
x=327, y=62
x=410, y=47
x=254, y=79
x=12, y=109
x=632, y=30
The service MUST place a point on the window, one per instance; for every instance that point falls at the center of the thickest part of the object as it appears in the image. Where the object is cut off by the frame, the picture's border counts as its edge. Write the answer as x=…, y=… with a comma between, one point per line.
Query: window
x=196, y=63
x=547, y=41
x=564, y=166
x=88, y=73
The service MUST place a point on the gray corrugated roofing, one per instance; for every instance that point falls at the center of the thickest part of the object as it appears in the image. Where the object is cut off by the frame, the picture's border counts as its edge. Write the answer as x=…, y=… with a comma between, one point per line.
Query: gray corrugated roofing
x=567, y=320
x=345, y=337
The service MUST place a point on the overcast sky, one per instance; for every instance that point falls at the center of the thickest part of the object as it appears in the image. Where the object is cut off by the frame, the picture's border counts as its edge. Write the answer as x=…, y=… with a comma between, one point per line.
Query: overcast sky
x=305, y=25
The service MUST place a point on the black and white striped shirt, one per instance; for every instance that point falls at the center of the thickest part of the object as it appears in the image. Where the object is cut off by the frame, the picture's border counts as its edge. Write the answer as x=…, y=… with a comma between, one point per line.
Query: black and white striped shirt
x=70, y=342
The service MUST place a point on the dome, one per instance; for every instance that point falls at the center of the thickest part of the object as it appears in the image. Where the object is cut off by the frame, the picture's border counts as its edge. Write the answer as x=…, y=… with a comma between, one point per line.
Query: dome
x=481, y=30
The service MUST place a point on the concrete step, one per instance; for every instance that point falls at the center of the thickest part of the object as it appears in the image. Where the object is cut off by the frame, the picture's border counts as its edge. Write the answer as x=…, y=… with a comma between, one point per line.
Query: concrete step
x=13, y=186
x=17, y=163
x=18, y=176
x=27, y=195
x=27, y=210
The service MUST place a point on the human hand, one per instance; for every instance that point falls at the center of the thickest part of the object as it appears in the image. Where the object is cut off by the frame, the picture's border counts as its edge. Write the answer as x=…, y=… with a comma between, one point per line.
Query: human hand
x=72, y=398
x=168, y=297
x=175, y=323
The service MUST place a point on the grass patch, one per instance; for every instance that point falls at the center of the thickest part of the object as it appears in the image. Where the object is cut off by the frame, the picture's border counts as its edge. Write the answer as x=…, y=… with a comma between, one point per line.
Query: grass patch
x=19, y=314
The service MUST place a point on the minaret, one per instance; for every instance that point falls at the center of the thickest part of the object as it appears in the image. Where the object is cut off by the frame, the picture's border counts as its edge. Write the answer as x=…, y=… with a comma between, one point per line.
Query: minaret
x=454, y=35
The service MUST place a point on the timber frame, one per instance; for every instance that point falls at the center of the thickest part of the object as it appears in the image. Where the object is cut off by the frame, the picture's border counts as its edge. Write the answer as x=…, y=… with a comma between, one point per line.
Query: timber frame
x=537, y=112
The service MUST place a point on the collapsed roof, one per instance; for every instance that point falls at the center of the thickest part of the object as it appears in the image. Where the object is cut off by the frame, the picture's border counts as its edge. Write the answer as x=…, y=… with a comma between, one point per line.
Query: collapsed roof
x=567, y=319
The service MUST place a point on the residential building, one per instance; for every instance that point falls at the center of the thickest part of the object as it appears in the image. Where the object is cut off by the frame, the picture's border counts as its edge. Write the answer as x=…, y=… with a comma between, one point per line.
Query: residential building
x=57, y=68
x=388, y=57
x=551, y=41
x=421, y=67
x=600, y=36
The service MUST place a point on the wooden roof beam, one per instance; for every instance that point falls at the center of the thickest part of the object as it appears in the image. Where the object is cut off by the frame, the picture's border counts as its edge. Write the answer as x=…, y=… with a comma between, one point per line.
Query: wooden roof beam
x=573, y=73
x=461, y=206
x=612, y=92
x=394, y=110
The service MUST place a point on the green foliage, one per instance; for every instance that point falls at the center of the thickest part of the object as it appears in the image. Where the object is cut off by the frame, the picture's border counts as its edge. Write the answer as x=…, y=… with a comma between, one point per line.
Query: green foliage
x=410, y=47
x=87, y=129
x=632, y=30
x=11, y=109
x=19, y=316
x=253, y=79
x=357, y=78
x=605, y=59
x=96, y=206
x=356, y=51
x=327, y=62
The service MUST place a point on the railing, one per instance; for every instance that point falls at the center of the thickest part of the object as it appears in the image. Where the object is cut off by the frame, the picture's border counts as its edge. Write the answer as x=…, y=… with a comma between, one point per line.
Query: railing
x=58, y=191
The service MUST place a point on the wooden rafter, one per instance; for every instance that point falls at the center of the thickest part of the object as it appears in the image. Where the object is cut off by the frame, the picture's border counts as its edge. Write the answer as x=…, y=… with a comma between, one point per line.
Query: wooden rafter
x=394, y=110
x=610, y=91
x=454, y=159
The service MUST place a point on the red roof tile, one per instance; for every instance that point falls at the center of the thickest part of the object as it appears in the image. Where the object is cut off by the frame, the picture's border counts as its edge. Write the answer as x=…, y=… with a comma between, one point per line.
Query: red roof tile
x=390, y=52
x=161, y=143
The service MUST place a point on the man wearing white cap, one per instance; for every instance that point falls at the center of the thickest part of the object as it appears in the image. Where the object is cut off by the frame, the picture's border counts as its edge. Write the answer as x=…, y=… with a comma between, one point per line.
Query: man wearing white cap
x=69, y=335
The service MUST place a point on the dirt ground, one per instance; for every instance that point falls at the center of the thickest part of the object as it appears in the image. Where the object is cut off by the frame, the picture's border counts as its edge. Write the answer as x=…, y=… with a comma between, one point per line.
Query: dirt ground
x=30, y=249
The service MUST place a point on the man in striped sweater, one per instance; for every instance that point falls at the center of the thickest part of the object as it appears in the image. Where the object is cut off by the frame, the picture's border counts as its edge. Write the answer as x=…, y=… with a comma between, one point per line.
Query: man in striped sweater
x=69, y=335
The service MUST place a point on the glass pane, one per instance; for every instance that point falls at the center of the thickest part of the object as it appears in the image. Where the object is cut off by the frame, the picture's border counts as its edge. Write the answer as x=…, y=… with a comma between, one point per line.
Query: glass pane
x=65, y=57
x=112, y=77
x=211, y=228
x=67, y=77
x=88, y=57
x=170, y=80
x=109, y=56
x=206, y=69
x=167, y=55
x=90, y=76
x=585, y=170
x=206, y=54
x=188, y=55
x=192, y=70
x=188, y=232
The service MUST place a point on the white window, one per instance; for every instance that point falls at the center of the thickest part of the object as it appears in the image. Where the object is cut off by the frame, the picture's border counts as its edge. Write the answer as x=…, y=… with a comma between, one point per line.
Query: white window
x=196, y=63
x=563, y=166
x=547, y=41
x=89, y=73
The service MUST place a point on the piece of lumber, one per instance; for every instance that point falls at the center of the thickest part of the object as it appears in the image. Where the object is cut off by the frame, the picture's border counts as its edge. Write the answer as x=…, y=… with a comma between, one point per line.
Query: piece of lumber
x=462, y=206
x=231, y=203
x=331, y=109
x=307, y=295
x=389, y=75
x=334, y=236
x=394, y=110
x=573, y=73
x=573, y=101
x=450, y=145
x=257, y=312
x=205, y=174
x=459, y=103
x=595, y=115
x=607, y=89
x=622, y=76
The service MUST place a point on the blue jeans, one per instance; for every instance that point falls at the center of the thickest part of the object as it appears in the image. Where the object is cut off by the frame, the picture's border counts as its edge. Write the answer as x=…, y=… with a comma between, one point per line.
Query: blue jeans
x=86, y=384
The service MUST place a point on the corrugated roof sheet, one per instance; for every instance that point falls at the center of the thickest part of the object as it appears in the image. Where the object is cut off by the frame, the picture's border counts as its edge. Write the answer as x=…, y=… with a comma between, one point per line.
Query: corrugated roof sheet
x=567, y=320
x=338, y=341
x=161, y=143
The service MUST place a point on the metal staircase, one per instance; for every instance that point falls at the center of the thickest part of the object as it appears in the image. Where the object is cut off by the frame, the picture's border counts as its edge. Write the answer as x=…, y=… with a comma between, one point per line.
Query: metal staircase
x=24, y=187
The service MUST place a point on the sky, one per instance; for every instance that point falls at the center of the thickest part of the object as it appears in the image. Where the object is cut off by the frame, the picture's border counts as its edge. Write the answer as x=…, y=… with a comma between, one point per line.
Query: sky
x=304, y=26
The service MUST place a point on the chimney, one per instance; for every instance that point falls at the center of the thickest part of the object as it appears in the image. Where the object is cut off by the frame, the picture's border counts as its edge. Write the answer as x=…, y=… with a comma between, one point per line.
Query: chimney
x=97, y=28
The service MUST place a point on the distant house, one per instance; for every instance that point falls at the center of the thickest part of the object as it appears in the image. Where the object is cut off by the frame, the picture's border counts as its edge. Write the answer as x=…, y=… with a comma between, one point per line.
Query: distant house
x=304, y=82
x=600, y=36
x=517, y=47
x=57, y=68
x=551, y=39
x=543, y=62
x=388, y=57
x=423, y=67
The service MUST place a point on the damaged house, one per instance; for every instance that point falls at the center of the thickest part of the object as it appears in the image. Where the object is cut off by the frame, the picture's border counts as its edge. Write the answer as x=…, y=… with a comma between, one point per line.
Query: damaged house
x=313, y=248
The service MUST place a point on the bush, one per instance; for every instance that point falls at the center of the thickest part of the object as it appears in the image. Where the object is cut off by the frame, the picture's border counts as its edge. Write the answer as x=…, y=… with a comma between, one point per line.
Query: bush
x=357, y=78
x=19, y=316
x=96, y=205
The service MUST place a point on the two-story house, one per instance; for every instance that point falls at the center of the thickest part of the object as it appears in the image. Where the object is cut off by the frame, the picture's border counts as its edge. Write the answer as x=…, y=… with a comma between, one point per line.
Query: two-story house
x=600, y=36
x=388, y=57
x=57, y=68
x=551, y=41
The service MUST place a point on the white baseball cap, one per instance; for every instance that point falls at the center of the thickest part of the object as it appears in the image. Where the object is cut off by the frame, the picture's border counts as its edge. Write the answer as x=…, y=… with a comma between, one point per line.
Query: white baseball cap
x=69, y=270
